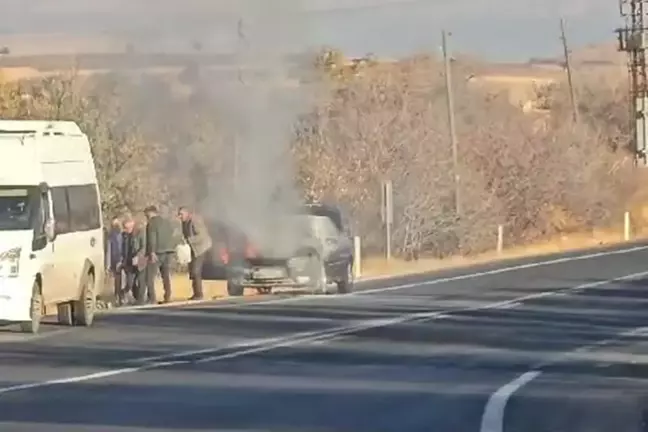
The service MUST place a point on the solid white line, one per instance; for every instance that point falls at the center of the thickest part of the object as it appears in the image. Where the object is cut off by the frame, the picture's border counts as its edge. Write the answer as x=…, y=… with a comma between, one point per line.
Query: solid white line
x=450, y=278
x=495, y=409
x=236, y=345
x=297, y=338
x=493, y=418
x=375, y=323
x=89, y=377
x=497, y=271
x=511, y=306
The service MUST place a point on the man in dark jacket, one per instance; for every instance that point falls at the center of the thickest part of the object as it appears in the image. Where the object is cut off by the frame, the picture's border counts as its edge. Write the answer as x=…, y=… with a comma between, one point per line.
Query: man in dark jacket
x=115, y=242
x=160, y=247
x=134, y=260
x=195, y=234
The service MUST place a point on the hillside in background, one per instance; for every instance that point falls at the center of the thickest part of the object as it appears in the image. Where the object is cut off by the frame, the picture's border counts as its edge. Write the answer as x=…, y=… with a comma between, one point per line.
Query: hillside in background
x=521, y=81
x=498, y=29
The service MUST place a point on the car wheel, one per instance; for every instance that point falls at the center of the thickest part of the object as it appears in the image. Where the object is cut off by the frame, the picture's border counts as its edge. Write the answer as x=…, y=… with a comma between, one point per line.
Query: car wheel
x=234, y=289
x=317, y=273
x=84, y=309
x=264, y=290
x=345, y=286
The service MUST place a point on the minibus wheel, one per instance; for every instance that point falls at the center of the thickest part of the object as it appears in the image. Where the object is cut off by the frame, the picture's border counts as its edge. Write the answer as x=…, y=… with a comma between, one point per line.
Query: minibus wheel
x=84, y=308
x=35, y=311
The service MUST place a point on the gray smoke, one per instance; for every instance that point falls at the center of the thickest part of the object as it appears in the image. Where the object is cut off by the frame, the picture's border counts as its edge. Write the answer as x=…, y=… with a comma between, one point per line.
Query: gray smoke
x=260, y=109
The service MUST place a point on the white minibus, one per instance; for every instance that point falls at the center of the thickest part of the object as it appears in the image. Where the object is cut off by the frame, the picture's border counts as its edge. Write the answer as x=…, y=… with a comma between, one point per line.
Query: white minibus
x=51, y=230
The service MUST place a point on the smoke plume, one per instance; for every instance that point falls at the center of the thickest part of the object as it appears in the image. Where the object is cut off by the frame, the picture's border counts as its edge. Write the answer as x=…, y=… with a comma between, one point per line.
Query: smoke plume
x=260, y=109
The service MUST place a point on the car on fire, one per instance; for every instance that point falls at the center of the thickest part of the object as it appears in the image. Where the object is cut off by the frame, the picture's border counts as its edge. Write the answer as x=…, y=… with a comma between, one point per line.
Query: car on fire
x=322, y=256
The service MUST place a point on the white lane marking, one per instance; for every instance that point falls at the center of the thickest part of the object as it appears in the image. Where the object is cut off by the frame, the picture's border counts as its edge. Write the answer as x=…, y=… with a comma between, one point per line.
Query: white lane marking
x=233, y=346
x=493, y=418
x=375, y=323
x=89, y=377
x=510, y=305
x=495, y=409
x=295, y=339
x=437, y=281
x=498, y=271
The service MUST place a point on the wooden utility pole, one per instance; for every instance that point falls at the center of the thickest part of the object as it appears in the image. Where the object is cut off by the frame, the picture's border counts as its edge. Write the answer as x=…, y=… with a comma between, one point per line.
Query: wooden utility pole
x=568, y=69
x=241, y=47
x=451, y=120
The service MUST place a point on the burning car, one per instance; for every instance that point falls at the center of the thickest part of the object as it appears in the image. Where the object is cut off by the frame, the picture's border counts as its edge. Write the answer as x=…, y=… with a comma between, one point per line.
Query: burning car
x=320, y=254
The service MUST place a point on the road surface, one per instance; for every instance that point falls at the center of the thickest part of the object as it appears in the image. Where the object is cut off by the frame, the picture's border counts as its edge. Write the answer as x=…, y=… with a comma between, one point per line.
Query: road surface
x=552, y=344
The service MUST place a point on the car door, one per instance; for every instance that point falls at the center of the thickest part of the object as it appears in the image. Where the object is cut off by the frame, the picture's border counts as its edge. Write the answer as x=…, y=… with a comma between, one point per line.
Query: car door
x=334, y=247
x=57, y=282
x=41, y=256
x=84, y=243
x=345, y=252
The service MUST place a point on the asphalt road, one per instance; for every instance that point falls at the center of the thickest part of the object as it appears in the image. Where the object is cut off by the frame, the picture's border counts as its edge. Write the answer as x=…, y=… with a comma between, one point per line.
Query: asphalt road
x=555, y=344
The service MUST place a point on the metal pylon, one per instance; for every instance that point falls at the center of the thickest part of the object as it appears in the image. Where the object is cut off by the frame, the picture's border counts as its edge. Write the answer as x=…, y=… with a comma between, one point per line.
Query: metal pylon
x=633, y=39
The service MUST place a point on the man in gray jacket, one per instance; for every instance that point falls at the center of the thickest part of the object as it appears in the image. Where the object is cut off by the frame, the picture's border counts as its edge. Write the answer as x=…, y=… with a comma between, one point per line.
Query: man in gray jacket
x=197, y=237
x=134, y=260
x=160, y=247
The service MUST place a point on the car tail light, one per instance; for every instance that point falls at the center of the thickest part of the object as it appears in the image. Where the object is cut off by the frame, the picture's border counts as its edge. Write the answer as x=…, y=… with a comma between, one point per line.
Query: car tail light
x=224, y=255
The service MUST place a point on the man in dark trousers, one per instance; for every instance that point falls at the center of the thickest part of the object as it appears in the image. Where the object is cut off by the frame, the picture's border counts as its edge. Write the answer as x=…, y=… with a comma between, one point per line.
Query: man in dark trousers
x=160, y=247
x=115, y=243
x=197, y=237
x=134, y=260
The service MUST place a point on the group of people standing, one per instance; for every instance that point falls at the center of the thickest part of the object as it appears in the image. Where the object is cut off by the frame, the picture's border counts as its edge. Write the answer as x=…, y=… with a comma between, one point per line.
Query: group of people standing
x=138, y=252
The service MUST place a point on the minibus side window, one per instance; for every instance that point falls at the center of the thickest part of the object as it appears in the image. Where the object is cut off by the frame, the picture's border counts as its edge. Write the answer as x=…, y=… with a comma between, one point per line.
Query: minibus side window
x=61, y=210
x=84, y=207
x=41, y=213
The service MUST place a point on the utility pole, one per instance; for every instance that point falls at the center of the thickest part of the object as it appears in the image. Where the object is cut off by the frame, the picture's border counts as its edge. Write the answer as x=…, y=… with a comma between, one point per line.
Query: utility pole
x=241, y=42
x=633, y=39
x=451, y=121
x=241, y=48
x=387, y=214
x=570, y=82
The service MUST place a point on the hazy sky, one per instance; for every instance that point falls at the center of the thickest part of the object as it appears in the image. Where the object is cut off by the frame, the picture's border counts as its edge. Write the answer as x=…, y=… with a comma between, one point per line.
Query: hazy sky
x=499, y=29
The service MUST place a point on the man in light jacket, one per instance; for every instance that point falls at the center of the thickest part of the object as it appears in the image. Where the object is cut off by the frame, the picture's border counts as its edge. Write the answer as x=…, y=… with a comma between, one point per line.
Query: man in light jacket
x=197, y=237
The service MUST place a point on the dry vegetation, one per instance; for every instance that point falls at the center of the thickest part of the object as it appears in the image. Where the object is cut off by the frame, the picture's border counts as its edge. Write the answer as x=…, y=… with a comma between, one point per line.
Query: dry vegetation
x=538, y=176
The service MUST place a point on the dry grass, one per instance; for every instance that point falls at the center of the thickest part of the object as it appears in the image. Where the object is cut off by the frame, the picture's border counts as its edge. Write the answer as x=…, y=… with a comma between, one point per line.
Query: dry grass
x=9, y=74
x=521, y=89
x=376, y=267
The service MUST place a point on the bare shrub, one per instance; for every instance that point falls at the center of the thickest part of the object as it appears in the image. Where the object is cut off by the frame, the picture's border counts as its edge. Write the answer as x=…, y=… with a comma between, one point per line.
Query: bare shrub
x=535, y=174
x=125, y=160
